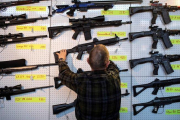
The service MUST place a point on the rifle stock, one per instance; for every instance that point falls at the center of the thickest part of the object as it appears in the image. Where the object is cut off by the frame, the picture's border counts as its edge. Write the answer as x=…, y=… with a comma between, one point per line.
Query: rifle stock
x=135, y=35
x=62, y=107
x=135, y=110
x=133, y=10
x=54, y=31
x=135, y=62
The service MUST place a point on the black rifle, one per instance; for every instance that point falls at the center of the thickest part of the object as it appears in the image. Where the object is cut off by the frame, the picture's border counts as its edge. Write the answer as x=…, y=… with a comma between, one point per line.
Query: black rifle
x=156, y=8
x=63, y=107
x=157, y=59
x=13, y=17
x=158, y=102
x=5, y=24
x=84, y=6
x=57, y=79
x=156, y=84
x=156, y=33
x=16, y=90
x=85, y=27
x=11, y=36
x=89, y=46
x=9, y=69
x=4, y=5
x=5, y=41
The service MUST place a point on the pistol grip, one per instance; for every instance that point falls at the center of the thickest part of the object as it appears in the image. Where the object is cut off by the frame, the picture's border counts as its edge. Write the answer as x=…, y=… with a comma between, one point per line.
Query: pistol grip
x=156, y=68
x=153, y=21
x=155, y=41
x=77, y=31
x=80, y=55
x=71, y=12
x=135, y=62
x=155, y=91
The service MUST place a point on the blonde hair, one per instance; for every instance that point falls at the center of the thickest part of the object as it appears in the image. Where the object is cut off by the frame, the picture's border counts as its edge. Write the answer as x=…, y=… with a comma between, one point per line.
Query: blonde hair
x=99, y=57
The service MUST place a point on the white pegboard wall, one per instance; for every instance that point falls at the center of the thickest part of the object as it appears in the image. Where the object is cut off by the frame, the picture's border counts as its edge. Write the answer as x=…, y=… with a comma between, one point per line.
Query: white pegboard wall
x=126, y=101
x=26, y=111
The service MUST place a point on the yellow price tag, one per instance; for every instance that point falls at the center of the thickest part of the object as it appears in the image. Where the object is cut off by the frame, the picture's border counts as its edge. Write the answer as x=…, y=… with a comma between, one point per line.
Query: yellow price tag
x=30, y=99
x=111, y=34
x=31, y=28
x=30, y=46
x=175, y=66
x=115, y=12
x=175, y=17
x=175, y=41
x=31, y=8
x=123, y=110
x=118, y=57
x=172, y=111
x=124, y=85
x=173, y=89
x=28, y=77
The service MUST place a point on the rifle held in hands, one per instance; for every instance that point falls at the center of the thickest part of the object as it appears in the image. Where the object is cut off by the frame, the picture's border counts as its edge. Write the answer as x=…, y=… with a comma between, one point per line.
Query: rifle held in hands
x=81, y=48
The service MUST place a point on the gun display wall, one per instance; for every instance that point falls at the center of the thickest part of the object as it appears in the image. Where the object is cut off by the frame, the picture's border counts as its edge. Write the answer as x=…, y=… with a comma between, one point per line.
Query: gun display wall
x=141, y=36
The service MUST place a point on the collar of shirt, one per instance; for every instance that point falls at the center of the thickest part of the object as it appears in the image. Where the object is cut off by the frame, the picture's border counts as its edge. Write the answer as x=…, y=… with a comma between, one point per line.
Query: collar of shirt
x=99, y=71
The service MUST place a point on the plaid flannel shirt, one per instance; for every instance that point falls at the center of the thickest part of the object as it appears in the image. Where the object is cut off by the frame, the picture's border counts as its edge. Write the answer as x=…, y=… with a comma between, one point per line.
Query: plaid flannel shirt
x=98, y=92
